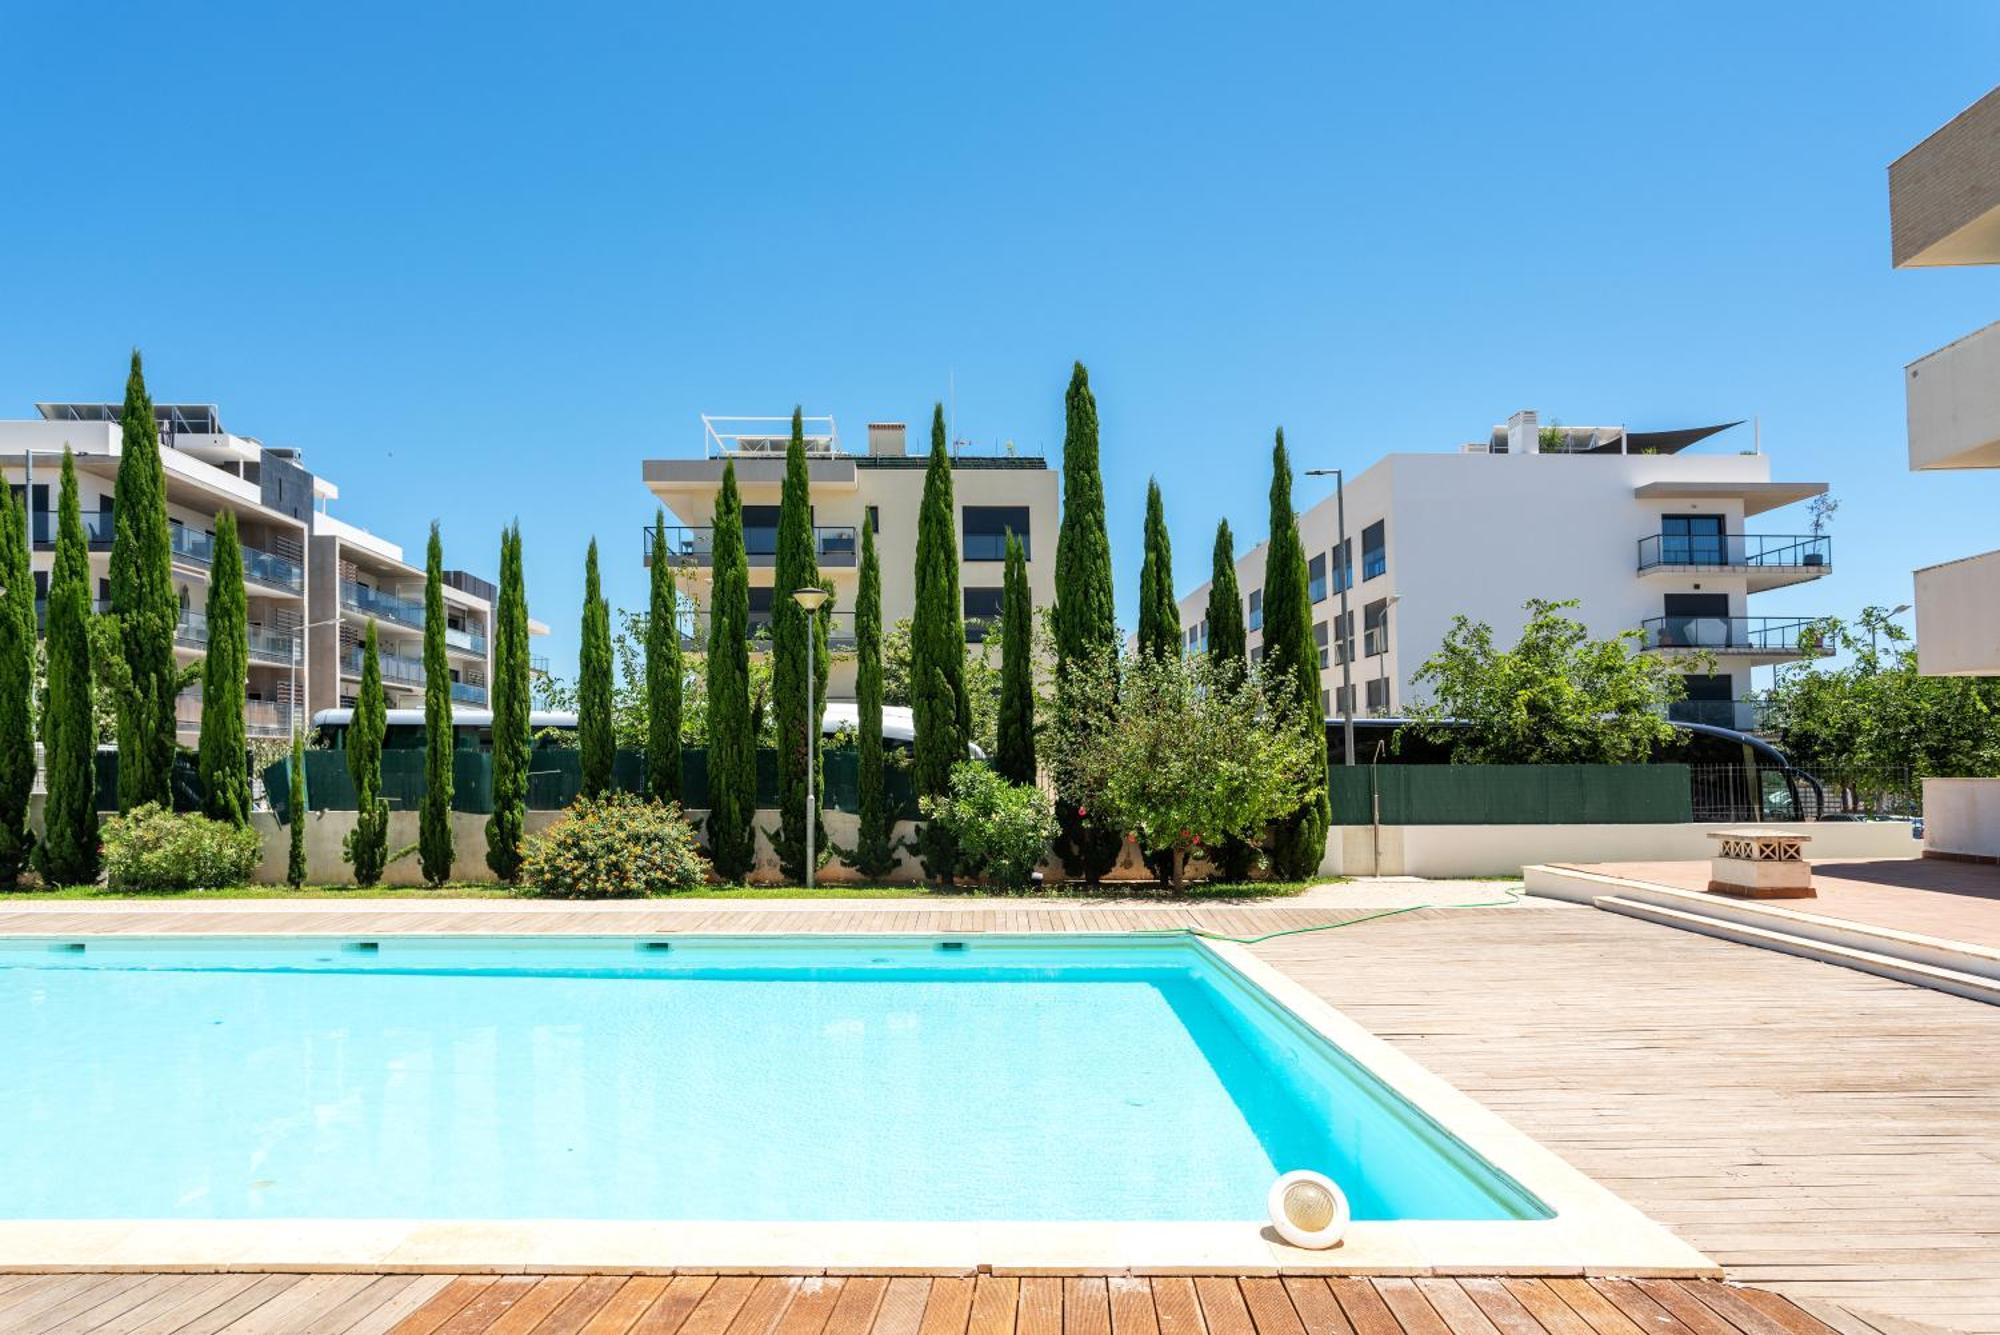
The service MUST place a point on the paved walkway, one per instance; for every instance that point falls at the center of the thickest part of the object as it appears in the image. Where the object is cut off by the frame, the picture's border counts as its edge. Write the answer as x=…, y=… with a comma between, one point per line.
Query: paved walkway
x=1958, y=901
x=879, y=1305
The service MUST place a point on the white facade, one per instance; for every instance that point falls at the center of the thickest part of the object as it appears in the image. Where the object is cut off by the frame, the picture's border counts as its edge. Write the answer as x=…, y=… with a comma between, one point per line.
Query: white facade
x=309, y=578
x=881, y=487
x=1671, y=543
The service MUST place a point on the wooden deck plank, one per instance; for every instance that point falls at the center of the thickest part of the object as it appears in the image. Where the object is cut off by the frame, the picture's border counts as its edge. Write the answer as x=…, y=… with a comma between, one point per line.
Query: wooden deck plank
x=670, y=1311
x=1271, y=1309
x=264, y=1289
x=949, y=1306
x=364, y=1302
x=1132, y=1306
x=117, y=1304
x=584, y=1302
x=532, y=1308
x=903, y=1306
x=1751, y=1319
x=1599, y=1312
x=1086, y=1306
x=175, y=1304
x=1643, y=1312
x=421, y=1289
x=1547, y=1307
x=994, y=1299
x=20, y=1306
x=447, y=1303
x=1500, y=1307
x=1223, y=1308
x=860, y=1299
x=634, y=1298
x=1363, y=1307
x=494, y=1302
x=1040, y=1311
x=1413, y=1311
x=1689, y=1310
x=812, y=1305
x=1455, y=1307
x=1176, y=1307
x=300, y=1307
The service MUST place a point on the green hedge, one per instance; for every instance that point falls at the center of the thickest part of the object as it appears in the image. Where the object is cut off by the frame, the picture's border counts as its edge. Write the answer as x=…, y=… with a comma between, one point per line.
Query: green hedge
x=554, y=777
x=1513, y=794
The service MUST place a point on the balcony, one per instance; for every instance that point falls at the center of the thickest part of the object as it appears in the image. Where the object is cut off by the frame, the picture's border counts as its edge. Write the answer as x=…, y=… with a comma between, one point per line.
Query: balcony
x=1740, y=715
x=1740, y=639
x=835, y=548
x=1766, y=560
x=694, y=632
x=261, y=718
x=471, y=641
x=195, y=548
x=382, y=606
x=469, y=693
x=1953, y=403
x=98, y=530
x=273, y=646
x=395, y=667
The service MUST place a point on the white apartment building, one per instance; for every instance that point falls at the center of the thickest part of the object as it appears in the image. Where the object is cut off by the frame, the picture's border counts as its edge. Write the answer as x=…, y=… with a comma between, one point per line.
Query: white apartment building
x=1644, y=534
x=311, y=580
x=881, y=487
x=1944, y=209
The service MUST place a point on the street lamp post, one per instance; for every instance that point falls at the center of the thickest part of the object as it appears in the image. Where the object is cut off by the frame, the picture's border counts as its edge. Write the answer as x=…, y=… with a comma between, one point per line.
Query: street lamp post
x=1340, y=636
x=1894, y=612
x=810, y=600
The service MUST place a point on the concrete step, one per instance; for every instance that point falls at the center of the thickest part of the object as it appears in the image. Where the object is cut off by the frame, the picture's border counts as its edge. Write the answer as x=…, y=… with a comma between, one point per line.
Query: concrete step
x=1977, y=987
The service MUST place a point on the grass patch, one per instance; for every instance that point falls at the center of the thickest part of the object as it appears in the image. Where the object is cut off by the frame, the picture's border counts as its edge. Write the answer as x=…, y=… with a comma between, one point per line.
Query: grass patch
x=1204, y=892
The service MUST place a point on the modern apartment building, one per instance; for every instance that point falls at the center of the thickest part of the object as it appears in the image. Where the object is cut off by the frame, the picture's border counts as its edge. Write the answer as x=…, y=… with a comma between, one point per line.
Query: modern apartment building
x=1944, y=209
x=311, y=580
x=1646, y=534
x=881, y=487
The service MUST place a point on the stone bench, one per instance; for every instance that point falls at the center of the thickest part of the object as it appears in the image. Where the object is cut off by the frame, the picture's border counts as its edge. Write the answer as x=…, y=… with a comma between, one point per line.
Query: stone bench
x=1760, y=864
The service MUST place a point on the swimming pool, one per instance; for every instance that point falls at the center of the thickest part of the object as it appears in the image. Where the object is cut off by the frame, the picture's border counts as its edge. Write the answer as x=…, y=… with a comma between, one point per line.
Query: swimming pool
x=693, y=1078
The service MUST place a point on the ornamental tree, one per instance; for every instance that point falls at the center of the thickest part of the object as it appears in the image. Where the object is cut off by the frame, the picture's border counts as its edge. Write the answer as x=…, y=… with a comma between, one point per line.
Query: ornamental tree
x=1014, y=752
x=513, y=741
x=1159, y=615
x=224, y=756
x=798, y=646
x=1084, y=620
x=666, y=673
x=1298, y=841
x=17, y=688
x=595, y=736
x=435, y=845
x=876, y=843
x=295, y=860
x=69, y=853
x=367, y=844
x=938, y=704
x=1226, y=636
x=1184, y=753
x=732, y=755
x=146, y=606
x=1557, y=697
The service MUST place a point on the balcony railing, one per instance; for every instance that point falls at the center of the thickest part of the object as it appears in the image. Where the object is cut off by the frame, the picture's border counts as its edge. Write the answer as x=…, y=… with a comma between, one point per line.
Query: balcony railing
x=396, y=668
x=694, y=632
x=382, y=606
x=838, y=547
x=1742, y=715
x=261, y=718
x=469, y=640
x=468, y=693
x=191, y=631
x=1751, y=551
x=272, y=646
x=1748, y=635
x=98, y=530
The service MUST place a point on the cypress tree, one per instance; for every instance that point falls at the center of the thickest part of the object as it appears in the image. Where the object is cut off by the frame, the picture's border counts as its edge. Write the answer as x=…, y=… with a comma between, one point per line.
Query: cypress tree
x=1292, y=662
x=1225, y=602
x=68, y=852
x=434, y=838
x=875, y=846
x=295, y=862
x=1014, y=741
x=17, y=686
x=512, y=740
x=142, y=594
x=225, y=753
x=1159, y=614
x=1085, y=619
x=368, y=842
x=665, y=675
x=732, y=754
x=939, y=706
x=798, y=645
x=594, y=725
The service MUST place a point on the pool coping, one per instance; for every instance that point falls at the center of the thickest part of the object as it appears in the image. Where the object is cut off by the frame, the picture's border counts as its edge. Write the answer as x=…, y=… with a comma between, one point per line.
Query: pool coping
x=1592, y=1231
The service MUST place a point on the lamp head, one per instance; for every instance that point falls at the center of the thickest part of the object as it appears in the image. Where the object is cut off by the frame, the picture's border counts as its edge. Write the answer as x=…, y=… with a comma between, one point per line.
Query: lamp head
x=810, y=598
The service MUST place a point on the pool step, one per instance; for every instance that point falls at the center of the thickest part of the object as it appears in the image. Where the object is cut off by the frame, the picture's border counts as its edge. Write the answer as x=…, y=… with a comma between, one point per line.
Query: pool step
x=1958, y=982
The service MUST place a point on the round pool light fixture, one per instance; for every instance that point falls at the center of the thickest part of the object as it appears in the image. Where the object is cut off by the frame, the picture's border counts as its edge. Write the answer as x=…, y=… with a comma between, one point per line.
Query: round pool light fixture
x=1308, y=1210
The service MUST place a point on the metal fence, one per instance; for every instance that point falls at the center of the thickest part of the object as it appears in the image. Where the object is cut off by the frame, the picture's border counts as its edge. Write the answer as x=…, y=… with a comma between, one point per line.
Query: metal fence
x=1743, y=793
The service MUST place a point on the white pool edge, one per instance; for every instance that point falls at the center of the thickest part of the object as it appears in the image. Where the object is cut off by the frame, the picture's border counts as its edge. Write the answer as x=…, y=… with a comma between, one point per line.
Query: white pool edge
x=1592, y=1232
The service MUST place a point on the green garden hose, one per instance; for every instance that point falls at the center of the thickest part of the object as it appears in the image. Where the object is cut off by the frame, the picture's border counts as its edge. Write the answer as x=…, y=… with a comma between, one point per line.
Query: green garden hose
x=1514, y=895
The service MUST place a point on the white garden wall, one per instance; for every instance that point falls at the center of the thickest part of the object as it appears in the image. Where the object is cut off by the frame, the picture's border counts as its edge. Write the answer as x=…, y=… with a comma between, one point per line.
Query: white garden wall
x=1502, y=850
x=1962, y=817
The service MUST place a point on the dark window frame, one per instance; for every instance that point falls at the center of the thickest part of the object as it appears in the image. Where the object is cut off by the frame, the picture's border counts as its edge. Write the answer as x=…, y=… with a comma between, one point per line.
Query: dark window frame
x=991, y=538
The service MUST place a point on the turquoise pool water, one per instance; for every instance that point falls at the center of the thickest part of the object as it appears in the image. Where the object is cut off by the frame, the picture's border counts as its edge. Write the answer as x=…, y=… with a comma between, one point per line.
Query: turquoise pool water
x=792, y=1078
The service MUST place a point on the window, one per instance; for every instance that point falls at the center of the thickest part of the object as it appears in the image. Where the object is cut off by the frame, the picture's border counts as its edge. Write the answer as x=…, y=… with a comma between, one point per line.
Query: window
x=1319, y=638
x=1256, y=609
x=985, y=529
x=1326, y=702
x=760, y=609
x=1257, y=654
x=982, y=605
x=1375, y=628
x=1343, y=566
x=1375, y=549
x=1343, y=647
x=874, y=519
x=1692, y=540
x=1316, y=577
x=1378, y=695
x=1343, y=700
x=760, y=535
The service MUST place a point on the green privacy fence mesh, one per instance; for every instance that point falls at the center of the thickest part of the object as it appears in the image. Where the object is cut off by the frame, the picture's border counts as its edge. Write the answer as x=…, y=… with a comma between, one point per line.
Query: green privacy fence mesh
x=1512, y=794
x=554, y=777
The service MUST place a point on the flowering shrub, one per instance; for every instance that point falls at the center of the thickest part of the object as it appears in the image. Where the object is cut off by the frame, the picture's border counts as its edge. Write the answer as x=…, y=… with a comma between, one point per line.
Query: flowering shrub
x=1002, y=829
x=151, y=848
x=614, y=846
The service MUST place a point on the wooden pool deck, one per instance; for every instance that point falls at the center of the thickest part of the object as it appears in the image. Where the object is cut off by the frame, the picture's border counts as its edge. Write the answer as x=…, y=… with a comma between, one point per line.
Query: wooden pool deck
x=878, y=1305
x=1829, y=1135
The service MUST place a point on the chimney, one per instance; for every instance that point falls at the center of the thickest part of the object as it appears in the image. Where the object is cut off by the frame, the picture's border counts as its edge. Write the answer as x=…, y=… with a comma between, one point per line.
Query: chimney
x=1524, y=432
x=888, y=438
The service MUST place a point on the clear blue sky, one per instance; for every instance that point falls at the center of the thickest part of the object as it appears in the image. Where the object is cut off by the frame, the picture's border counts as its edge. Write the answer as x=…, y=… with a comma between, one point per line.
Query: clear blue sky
x=479, y=261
